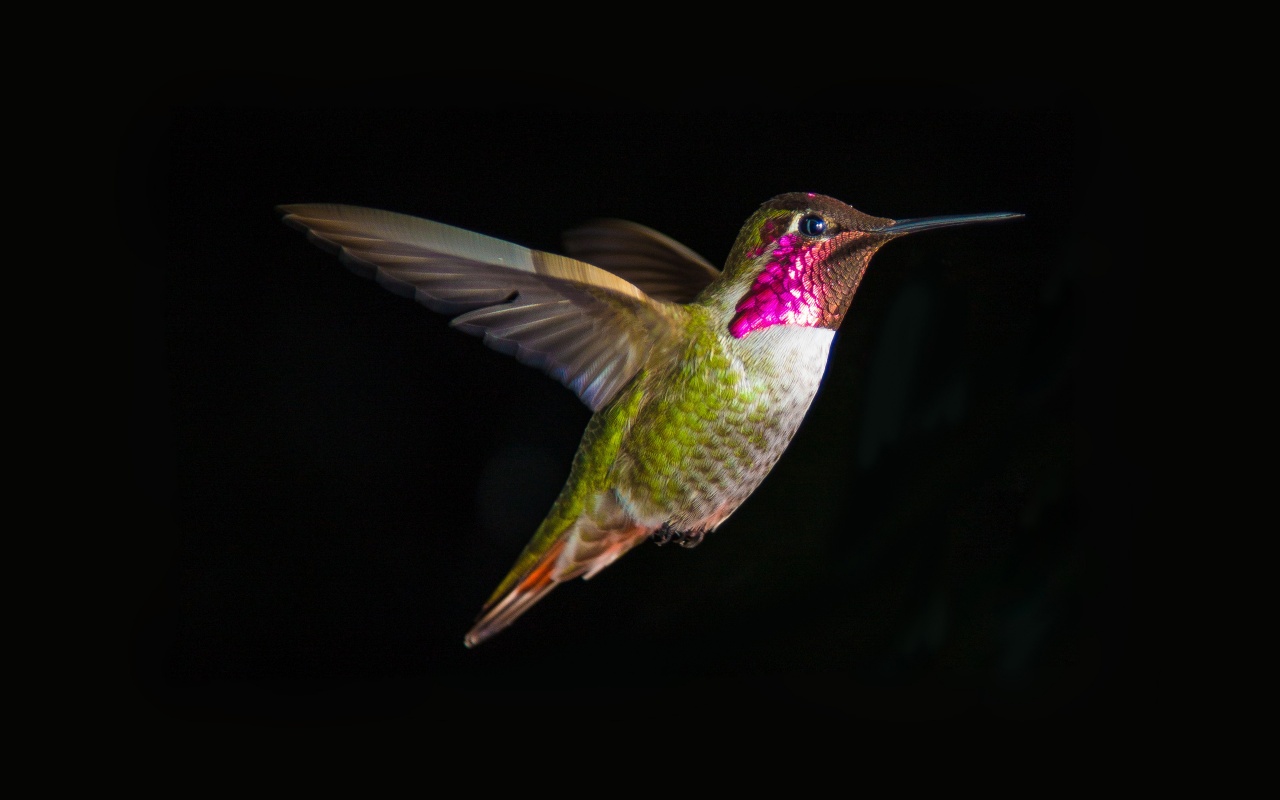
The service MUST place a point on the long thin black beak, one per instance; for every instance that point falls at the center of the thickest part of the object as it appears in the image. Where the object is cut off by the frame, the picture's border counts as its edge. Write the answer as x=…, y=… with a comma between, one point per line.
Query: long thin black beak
x=905, y=226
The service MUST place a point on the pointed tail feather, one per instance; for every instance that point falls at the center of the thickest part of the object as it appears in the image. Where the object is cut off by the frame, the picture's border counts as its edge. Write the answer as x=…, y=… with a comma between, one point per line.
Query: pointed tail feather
x=583, y=551
x=540, y=580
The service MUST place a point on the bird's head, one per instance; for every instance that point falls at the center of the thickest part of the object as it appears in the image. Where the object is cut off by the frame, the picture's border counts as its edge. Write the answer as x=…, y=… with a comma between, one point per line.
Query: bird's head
x=799, y=258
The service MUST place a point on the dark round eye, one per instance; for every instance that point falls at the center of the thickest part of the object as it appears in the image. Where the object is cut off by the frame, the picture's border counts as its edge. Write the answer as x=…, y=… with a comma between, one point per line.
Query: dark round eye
x=813, y=225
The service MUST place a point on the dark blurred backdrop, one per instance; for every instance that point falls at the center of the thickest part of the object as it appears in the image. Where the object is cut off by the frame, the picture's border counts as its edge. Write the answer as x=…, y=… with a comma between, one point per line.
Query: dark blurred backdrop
x=330, y=481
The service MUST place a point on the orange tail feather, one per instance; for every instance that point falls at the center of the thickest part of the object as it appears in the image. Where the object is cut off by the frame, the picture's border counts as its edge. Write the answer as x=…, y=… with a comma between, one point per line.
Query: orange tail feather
x=531, y=588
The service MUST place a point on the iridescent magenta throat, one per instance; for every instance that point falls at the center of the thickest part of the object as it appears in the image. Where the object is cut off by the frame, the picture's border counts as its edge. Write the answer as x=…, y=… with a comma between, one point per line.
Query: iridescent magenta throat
x=785, y=292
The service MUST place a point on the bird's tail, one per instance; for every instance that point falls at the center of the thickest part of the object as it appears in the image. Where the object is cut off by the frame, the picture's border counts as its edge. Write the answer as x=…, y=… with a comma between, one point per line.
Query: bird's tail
x=583, y=549
x=498, y=615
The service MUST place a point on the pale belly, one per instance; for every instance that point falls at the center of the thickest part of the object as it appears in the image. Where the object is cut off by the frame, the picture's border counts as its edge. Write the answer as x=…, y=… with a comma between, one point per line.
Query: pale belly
x=703, y=443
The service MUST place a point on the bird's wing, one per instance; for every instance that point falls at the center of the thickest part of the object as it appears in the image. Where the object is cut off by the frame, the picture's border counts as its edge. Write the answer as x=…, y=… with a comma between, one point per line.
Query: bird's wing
x=659, y=265
x=586, y=327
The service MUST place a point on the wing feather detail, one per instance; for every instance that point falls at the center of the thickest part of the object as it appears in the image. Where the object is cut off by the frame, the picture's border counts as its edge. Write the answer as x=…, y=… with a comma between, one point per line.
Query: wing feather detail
x=587, y=327
x=662, y=267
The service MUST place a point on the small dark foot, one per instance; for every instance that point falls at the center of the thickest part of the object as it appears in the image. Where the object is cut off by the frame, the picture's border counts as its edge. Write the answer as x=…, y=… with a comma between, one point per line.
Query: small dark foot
x=683, y=538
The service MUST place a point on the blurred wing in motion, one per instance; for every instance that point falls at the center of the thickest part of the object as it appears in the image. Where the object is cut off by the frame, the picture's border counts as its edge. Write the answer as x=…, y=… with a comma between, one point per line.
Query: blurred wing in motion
x=662, y=267
x=588, y=328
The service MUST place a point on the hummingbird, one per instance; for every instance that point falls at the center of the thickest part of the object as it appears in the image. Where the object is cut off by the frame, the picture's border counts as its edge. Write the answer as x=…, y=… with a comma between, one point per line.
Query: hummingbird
x=698, y=378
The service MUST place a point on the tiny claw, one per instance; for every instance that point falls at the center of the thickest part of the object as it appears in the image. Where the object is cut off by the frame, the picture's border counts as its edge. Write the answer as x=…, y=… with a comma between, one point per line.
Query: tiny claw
x=683, y=538
x=691, y=538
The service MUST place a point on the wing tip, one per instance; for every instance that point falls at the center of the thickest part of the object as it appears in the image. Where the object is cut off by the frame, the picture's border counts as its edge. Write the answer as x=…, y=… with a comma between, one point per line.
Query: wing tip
x=293, y=213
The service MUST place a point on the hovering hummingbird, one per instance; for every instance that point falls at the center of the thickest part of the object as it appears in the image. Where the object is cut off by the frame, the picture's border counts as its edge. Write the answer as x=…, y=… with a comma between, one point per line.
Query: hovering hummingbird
x=698, y=378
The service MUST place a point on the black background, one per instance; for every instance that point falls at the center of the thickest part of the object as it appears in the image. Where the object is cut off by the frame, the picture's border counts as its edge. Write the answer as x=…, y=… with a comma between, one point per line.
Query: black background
x=330, y=481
